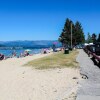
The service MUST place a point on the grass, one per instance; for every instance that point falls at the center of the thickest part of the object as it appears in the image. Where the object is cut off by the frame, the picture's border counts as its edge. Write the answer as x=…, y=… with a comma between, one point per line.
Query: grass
x=56, y=60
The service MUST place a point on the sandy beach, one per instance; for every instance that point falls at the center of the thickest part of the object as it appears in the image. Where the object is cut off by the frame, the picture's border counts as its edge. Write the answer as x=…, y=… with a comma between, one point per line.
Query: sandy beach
x=18, y=82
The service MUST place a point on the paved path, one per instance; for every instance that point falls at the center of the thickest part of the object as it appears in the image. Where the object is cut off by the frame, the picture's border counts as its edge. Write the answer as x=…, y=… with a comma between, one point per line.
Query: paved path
x=89, y=89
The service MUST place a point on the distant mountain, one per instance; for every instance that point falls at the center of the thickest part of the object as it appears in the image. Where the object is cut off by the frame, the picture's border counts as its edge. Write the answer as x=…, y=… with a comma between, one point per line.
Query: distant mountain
x=30, y=44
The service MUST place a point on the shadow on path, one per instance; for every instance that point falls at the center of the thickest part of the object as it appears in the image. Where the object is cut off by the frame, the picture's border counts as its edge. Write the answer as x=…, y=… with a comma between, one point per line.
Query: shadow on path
x=95, y=62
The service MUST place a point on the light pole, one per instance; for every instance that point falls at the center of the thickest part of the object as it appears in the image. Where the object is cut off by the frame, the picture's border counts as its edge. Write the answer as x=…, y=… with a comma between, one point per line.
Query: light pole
x=71, y=35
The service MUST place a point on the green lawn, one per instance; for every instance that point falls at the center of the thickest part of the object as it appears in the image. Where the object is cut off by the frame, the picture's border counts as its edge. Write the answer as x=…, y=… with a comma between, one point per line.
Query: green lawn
x=56, y=60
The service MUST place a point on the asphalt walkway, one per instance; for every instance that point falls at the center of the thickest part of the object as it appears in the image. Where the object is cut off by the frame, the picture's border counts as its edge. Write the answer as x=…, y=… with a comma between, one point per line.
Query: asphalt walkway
x=89, y=88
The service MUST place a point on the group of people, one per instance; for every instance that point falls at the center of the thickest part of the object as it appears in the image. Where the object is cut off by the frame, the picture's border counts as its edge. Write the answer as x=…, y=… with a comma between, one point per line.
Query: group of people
x=45, y=51
x=22, y=54
x=27, y=53
x=48, y=50
x=14, y=54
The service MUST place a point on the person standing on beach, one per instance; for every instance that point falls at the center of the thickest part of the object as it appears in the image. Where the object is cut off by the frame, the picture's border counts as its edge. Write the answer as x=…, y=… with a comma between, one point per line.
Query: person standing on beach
x=14, y=53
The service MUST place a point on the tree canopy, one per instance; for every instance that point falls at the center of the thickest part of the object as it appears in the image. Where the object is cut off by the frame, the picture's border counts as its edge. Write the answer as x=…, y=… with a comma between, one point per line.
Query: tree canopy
x=89, y=38
x=77, y=33
x=93, y=38
x=98, y=38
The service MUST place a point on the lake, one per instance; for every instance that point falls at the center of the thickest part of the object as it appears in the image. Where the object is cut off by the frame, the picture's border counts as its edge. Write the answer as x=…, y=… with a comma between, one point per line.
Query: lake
x=19, y=51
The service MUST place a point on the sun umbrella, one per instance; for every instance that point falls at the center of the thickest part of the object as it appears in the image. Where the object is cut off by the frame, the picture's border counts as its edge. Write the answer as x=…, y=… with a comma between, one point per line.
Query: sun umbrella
x=55, y=43
x=28, y=50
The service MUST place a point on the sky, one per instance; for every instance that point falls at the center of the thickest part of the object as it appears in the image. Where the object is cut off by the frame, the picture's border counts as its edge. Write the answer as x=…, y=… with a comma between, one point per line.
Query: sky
x=44, y=19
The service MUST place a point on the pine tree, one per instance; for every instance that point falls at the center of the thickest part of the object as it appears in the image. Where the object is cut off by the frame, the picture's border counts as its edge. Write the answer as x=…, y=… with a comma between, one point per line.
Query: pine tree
x=98, y=38
x=77, y=33
x=94, y=38
x=65, y=37
x=89, y=38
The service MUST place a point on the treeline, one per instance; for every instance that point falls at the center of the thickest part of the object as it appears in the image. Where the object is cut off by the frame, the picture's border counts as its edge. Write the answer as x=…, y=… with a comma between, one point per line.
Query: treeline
x=92, y=38
x=72, y=31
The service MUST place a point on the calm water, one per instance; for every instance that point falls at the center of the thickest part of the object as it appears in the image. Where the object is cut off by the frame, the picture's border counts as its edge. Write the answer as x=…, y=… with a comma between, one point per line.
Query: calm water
x=9, y=52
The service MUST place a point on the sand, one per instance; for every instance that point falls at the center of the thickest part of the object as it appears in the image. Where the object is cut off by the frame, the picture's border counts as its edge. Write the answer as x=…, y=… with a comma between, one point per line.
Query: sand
x=18, y=82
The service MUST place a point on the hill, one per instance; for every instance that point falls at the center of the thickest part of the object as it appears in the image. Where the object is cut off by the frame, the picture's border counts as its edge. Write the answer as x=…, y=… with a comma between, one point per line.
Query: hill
x=30, y=44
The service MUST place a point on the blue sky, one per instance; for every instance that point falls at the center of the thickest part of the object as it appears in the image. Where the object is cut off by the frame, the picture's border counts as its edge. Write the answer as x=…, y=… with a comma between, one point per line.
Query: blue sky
x=44, y=19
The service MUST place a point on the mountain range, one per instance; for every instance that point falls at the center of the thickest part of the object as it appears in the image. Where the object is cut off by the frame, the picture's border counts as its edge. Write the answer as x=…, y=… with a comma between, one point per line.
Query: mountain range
x=30, y=44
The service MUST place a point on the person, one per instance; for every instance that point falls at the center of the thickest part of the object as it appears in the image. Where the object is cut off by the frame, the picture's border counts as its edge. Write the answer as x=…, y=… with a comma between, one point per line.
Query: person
x=26, y=53
x=14, y=53
x=1, y=57
x=45, y=51
x=21, y=54
x=54, y=47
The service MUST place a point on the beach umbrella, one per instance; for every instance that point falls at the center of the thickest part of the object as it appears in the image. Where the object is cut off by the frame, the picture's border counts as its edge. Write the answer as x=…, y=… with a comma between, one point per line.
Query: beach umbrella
x=55, y=43
x=28, y=50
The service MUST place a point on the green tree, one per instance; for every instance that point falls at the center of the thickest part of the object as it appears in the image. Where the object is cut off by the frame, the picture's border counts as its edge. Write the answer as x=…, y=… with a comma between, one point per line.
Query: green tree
x=94, y=37
x=89, y=38
x=65, y=37
x=98, y=38
x=77, y=33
